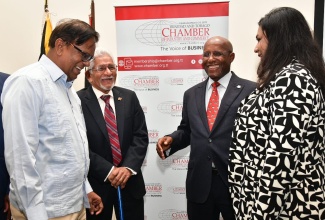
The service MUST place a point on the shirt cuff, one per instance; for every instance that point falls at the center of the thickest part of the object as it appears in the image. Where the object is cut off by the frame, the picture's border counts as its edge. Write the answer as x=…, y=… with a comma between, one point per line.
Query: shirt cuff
x=88, y=188
x=108, y=174
x=132, y=171
x=167, y=152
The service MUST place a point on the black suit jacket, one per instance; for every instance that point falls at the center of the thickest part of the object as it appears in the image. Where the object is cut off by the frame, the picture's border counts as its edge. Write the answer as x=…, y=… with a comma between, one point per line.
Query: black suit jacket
x=206, y=146
x=133, y=136
x=4, y=176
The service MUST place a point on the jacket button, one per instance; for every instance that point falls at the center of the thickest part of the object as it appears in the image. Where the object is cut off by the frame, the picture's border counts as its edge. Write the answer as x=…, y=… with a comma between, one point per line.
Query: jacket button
x=210, y=140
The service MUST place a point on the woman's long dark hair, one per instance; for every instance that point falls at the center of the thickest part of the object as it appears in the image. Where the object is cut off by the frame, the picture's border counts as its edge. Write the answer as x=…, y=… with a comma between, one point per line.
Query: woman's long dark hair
x=288, y=36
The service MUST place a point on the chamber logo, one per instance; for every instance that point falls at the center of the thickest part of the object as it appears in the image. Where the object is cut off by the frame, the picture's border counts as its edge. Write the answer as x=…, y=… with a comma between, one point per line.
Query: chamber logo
x=170, y=107
x=166, y=33
x=172, y=214
x=153, y=190
x=141, y=83
x=175, y=162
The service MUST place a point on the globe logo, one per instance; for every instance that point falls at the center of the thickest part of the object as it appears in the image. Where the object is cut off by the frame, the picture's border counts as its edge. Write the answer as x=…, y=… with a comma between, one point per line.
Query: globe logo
x=170, y=107
x=128, y=81
x=150, y=33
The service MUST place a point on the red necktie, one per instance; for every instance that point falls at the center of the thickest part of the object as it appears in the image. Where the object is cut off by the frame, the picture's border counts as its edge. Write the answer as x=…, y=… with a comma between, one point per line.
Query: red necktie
x=213, y=105
x=111, y=127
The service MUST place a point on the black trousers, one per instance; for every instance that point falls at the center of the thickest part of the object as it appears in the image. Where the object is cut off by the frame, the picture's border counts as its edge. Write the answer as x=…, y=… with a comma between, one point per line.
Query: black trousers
x=218, y=202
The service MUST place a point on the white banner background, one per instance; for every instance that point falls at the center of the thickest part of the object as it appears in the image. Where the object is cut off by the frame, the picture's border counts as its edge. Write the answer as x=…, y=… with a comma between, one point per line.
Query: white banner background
x=159, y=51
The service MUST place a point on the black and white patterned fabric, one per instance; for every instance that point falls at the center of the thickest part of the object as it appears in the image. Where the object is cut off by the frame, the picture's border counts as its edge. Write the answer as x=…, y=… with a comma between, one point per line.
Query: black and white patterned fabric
x=277, y=156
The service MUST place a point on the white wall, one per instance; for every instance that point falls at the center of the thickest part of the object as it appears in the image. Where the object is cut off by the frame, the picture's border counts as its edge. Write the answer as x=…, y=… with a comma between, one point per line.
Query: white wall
x=244, y=15
x=21, y=27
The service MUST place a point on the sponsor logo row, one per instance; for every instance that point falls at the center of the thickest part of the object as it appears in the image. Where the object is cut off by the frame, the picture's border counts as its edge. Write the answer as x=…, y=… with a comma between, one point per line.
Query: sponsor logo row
x=156, y=189
x=153, y=83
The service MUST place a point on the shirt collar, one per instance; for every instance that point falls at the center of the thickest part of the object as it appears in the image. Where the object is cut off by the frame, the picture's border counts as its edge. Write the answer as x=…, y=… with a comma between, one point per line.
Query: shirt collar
x=54, y=71
x=224, y=81
x=99, y=93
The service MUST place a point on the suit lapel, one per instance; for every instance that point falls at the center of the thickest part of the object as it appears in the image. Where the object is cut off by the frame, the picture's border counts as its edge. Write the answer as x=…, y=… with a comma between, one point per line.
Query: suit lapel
x=119, y=114
x=200, y=103
x=233, y=90
x=94, y=108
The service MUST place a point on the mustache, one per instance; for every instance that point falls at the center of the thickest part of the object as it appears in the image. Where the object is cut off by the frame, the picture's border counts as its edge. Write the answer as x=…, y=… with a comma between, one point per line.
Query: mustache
x=108, y=77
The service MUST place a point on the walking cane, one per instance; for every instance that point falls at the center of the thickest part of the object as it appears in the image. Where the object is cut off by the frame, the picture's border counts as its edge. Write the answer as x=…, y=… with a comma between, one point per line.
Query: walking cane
x=120, y=202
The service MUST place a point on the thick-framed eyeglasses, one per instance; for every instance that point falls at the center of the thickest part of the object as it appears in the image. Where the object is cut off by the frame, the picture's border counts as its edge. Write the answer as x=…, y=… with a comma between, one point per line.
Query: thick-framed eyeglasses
x=102, y=68
x=85, y=57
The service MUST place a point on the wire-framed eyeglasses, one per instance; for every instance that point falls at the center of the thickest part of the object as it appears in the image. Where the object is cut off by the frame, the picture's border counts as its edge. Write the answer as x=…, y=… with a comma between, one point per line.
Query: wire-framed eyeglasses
x=102, y=68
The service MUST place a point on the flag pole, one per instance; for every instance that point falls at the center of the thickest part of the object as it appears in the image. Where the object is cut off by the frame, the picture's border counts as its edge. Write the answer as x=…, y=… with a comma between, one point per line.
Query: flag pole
x=92, y=14
x=47, y=30
x=92, y=24
x=46, y=6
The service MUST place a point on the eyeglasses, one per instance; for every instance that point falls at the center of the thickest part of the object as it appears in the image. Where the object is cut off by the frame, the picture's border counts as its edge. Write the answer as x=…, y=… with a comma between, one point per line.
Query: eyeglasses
x=85, y=57
x=215, y=54
x=102, y=68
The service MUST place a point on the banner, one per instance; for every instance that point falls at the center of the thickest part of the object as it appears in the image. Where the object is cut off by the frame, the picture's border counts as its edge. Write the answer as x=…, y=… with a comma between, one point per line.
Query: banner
x=159, y=49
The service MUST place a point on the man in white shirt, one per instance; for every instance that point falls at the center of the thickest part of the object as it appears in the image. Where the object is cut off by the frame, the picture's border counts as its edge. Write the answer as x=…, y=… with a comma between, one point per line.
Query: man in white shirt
x=46, y=147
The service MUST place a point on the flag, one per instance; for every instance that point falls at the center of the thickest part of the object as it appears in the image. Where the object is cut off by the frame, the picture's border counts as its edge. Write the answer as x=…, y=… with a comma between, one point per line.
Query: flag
x=47, y=30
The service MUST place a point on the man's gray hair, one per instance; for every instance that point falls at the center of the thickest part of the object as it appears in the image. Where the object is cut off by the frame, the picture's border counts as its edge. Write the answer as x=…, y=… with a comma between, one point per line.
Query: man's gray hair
x=99, y=52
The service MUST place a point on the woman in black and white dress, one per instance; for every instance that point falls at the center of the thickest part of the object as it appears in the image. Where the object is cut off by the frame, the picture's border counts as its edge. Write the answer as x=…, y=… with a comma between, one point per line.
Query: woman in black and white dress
x=277, y=158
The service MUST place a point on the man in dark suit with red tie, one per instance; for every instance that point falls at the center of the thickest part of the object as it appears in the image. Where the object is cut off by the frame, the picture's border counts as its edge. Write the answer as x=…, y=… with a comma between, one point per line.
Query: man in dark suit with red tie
x=118, y=140
x=209, y=111
x=4, y=176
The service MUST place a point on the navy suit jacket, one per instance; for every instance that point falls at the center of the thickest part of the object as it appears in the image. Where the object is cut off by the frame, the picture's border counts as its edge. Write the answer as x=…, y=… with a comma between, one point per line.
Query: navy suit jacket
x=4, y=176
x=133, y=136
x=206, y=146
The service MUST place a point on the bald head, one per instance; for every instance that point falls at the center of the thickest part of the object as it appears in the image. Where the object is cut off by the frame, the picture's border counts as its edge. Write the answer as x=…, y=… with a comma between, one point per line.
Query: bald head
x=225, y=43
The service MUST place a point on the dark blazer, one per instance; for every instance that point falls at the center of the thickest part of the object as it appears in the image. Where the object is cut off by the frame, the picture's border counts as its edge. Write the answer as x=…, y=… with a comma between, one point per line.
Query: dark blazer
x=4, y=176
x=133, y=136
x=208, y=146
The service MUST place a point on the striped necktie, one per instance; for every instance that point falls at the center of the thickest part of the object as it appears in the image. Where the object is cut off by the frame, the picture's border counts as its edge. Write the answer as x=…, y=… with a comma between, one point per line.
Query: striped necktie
x=111, y=127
